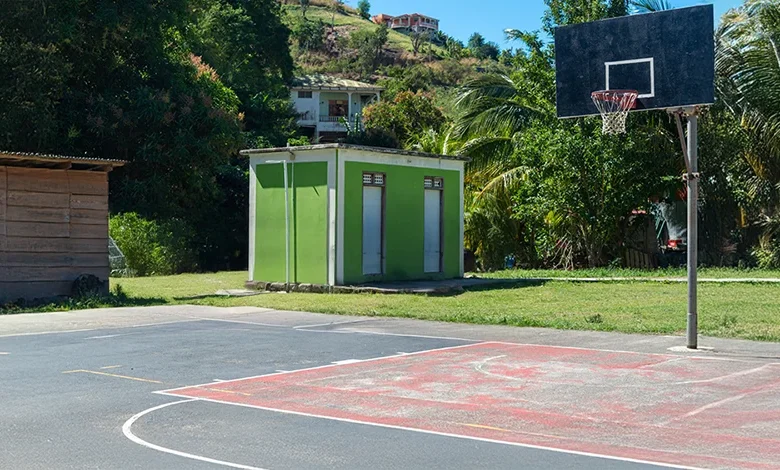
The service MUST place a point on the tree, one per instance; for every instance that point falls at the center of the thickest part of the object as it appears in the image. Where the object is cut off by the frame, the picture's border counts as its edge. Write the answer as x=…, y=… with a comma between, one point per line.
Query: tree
x=304, y=7
x=475, y=43
x=363, y=9
x=748, y=82
x=567, y=190
x=248, y=46
x=369, y=46
x=408, y=115
x=455, y=48
x=418, y=38
x=174, y=87
x=482, y=49
x=309, y=34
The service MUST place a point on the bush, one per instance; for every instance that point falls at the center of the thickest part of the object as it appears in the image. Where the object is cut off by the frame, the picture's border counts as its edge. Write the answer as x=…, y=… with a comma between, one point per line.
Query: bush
x=309, y=34
x=407, y=115
x=153, y=248
x=767, y=254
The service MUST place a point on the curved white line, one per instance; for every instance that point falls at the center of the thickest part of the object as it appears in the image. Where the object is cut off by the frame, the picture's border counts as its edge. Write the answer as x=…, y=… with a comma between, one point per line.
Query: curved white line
x=126, y=429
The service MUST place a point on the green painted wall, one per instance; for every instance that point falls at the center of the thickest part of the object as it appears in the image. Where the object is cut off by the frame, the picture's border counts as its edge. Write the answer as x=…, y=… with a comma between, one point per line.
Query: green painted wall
x=310, y=219
x=269, y=224
x=308, y=193
x=404, y=214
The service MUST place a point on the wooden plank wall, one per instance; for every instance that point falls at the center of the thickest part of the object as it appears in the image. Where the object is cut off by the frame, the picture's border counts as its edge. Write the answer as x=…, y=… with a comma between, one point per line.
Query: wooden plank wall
x=53, y=228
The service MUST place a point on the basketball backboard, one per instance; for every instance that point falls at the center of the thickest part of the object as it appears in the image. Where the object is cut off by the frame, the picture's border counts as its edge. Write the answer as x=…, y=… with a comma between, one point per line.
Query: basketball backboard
x=667, y=56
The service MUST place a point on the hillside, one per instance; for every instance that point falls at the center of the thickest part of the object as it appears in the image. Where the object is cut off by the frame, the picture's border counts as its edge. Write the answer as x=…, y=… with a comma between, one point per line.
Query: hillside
x=338, y=26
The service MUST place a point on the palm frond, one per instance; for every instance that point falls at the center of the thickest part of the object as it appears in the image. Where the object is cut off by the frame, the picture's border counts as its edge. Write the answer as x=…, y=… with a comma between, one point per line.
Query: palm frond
x=648, y=6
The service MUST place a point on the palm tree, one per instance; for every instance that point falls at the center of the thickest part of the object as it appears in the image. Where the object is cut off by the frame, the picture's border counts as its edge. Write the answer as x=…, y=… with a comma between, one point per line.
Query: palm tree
x=649, y=6
x=748, y=69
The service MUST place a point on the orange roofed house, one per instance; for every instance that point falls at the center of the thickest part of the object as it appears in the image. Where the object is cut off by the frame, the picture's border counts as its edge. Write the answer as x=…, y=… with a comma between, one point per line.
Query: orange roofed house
x=409, y=22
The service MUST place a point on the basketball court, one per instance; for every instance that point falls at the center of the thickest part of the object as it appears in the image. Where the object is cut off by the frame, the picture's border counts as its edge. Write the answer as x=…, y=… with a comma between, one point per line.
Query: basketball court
x=620, y=404
x=262, y=389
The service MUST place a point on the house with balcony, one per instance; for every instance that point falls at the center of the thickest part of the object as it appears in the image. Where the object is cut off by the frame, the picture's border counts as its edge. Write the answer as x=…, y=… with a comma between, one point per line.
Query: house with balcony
x=323, y=102
x=412, y=22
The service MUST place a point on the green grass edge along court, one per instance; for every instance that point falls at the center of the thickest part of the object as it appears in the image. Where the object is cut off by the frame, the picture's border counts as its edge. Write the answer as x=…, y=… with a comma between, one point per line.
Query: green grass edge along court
x=734, y=310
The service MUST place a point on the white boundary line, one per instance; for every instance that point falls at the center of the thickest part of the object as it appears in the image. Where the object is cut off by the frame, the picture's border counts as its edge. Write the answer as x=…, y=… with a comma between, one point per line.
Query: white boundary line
x=345, y=322
x=81, y=330
x=444, y=434
x=308, y=328
x=127, y=431
x=326, y=366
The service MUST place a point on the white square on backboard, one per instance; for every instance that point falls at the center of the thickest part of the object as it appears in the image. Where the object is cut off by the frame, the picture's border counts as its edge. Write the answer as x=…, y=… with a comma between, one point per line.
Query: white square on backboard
x=649, y=60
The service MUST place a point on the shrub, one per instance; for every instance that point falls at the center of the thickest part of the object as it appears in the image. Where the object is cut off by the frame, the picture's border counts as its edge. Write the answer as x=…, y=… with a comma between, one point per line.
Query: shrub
x=153, y=248
x=409, y=114
x=767, y=254
x=309, y=34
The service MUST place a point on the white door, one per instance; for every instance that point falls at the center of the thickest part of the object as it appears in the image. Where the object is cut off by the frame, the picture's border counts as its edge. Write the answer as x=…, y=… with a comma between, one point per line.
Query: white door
x=372, y=230
x=432, y=238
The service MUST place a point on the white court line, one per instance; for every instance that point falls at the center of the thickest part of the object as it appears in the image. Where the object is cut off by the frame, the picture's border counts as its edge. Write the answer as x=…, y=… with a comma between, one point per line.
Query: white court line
x=444, y=434
x=348, y=361
x=330, y=324
x=97, y=328
x=127, y=431
x=4, y=353
x=355, y=331
x=326, y=366
x=705, y=408
x=724, y=377
x=481, y=364
x=381, y=333
x=107, y=336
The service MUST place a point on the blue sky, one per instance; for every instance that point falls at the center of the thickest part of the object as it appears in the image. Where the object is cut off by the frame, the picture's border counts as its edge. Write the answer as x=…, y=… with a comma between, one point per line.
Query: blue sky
x=460, y=18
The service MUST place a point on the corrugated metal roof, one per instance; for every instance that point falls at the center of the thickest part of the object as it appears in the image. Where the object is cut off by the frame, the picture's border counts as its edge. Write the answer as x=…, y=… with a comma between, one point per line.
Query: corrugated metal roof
x=8, y=157
x=399, y=152
x=328, y=82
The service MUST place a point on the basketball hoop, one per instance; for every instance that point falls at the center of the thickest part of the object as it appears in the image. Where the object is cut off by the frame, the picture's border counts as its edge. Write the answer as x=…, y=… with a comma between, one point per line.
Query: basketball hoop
x=614, y=106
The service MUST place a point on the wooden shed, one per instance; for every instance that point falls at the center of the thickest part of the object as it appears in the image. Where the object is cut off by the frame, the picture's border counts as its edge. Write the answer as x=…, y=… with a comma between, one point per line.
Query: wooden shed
x=53, y=223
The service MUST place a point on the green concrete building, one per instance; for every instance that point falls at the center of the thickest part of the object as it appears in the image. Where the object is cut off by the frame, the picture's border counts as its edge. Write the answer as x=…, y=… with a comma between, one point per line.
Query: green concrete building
x=339, y=214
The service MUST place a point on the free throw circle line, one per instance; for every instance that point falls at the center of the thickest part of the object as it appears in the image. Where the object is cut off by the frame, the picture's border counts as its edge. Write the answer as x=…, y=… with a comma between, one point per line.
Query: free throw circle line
x=127, y=430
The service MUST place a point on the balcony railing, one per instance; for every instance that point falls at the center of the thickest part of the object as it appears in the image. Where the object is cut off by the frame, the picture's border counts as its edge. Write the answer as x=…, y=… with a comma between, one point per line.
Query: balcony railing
x=335, y=118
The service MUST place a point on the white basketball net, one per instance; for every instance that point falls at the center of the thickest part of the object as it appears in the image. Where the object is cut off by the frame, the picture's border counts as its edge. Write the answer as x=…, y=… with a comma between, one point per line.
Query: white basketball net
x=614, y=106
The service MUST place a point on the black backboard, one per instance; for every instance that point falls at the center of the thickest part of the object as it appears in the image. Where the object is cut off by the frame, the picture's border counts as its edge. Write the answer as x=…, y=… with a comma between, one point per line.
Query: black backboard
x=667, y=56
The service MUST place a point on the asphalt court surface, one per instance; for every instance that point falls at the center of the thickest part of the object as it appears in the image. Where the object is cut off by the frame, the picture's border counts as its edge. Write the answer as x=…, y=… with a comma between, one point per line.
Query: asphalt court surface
x=330, y=396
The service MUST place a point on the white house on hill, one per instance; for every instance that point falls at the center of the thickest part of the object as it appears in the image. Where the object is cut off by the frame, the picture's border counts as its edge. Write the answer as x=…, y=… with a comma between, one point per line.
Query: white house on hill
x=322, y=101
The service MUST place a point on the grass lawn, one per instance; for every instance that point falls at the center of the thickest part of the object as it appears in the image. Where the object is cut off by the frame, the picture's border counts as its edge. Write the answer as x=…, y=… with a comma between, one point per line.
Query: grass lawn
x=749, y=311
x=712, y=273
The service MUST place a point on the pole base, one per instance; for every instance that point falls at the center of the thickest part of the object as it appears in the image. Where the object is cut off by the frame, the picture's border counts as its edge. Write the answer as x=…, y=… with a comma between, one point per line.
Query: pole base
x=692, y=333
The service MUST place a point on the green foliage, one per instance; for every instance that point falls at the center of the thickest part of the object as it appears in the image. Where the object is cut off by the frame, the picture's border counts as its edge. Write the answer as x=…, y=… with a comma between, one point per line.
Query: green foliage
x=377, y=137
x=455, y=48
x=563, y=12
x=174, y=87
x=418, y=39
x=768, y=254
x=304, y=7
x=568, y=189
x=153, y=248
x=406, y=116
x=363, y=9
x=482, y=49
x=310, y=35
x=368, y=46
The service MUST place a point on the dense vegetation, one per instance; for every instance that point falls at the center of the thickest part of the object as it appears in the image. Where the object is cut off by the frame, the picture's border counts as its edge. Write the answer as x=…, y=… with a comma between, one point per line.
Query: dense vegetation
x=177, y=87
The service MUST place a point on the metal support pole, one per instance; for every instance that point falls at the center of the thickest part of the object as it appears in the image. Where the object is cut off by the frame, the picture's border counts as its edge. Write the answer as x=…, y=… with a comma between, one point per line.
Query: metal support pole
x=286, y=230
x=693, y=196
